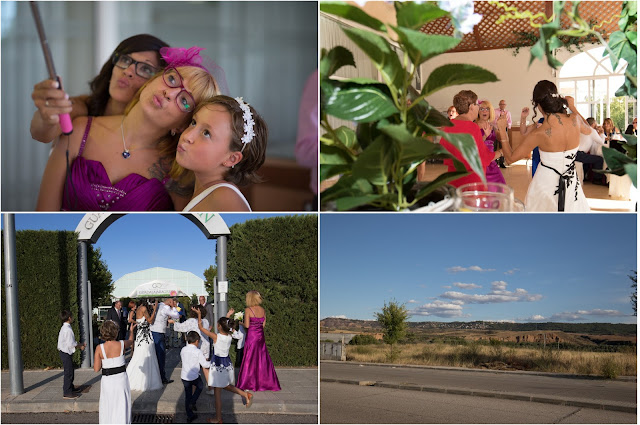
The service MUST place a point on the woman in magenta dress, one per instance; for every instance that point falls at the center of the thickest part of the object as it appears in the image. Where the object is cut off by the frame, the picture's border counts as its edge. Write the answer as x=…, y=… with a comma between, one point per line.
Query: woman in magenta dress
x=486, y=122
x=257, y=372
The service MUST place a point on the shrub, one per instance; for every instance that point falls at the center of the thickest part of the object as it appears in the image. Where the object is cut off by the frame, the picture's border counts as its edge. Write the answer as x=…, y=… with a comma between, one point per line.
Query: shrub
x=609, y=368
x=279, y=257
x=363, y=339
x=46, y=269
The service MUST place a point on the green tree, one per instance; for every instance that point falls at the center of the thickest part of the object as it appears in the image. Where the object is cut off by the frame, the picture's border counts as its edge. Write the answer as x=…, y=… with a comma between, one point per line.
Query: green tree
x=393, y=319
x=634, y=295
x=209, y=275
x=100, y=277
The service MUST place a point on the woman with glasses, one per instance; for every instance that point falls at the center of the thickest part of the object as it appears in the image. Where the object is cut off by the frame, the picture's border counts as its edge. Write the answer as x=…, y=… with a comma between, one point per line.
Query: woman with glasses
x=490, y=135
x=134, y=61
x=123, y=162
x=466, y=104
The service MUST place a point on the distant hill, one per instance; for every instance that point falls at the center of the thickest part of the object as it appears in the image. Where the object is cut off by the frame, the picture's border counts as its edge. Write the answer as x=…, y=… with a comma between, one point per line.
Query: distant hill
x=366, y=326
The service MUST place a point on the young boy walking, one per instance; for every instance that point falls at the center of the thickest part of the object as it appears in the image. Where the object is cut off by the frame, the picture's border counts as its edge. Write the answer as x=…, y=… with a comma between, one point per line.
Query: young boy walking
x=67, y=345
x=192, y=358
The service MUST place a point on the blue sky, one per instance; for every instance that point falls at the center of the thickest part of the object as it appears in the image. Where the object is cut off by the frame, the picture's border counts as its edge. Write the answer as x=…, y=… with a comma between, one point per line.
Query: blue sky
x=141, y=241
x=500, y=267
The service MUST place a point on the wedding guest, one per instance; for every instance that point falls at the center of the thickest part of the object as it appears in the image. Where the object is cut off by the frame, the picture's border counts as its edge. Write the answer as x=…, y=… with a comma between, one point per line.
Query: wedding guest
x=67, y=345
x=208, y=308
x=612, y=135
x=117, y=314
x=132, y=63
x=221, y=375
x=192, y=360
x=465, y=103
x=257, y=372
x=632, y=128
x=491, y=137
x=239, y=334
x=224, y=146
x=132, y=319
x=451, y=112
x=502, y=111
x=526, y=129
x=590, y=145
x=191, y=325
x=306, y=149
x=165, y=310
x=115, y=393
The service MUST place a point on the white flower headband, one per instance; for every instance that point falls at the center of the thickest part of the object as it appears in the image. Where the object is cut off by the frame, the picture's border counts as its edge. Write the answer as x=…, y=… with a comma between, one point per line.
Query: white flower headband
x=247, y=117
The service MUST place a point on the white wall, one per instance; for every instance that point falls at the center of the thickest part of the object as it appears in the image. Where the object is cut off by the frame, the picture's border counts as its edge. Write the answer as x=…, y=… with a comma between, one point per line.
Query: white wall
x=516, y=77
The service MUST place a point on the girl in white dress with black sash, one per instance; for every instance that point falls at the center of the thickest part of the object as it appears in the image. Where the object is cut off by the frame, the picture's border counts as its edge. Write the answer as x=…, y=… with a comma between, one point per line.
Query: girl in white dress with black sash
x=555, y=186
x=143, y=370
x=115, y=395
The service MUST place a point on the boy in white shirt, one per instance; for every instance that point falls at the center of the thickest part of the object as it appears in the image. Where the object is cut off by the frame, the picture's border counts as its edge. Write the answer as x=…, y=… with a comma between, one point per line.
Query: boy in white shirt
x=67, y=345
x=192, y=358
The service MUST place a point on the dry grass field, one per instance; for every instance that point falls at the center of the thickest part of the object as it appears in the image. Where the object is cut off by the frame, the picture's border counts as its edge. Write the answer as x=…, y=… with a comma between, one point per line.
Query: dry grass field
x=499, y=357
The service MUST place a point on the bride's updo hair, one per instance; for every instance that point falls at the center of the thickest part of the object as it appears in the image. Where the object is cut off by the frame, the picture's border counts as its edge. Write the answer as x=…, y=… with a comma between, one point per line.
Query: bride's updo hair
x=545, y=95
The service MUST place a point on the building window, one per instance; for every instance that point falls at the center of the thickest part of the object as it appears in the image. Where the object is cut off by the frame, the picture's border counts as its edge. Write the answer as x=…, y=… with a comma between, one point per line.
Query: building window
x=589, y=78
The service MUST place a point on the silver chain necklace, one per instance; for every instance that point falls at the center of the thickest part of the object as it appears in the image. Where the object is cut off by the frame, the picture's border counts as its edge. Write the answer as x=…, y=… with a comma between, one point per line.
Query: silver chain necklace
x=125, y=153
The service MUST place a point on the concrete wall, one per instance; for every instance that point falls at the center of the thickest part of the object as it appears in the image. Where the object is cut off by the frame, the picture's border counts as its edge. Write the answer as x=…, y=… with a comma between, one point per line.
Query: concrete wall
x=333, y=351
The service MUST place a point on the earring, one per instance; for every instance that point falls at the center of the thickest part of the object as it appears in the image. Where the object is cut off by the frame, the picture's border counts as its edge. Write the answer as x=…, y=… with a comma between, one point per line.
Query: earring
x=173, y=133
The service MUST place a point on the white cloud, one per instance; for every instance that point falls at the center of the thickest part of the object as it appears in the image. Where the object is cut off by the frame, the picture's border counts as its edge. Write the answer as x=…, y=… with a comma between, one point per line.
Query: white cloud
x=342, y=316
x=466, y=285
x=571, y=316
x=440, y=308
x=457, y=269
x=512, y=271
x=412, y=302
x=447, y=286
x=498, y=294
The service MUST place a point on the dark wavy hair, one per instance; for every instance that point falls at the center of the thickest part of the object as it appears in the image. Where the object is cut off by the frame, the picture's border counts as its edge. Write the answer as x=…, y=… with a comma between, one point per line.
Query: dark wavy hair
x=543, y=96
x=226, y=324
x=97, y=100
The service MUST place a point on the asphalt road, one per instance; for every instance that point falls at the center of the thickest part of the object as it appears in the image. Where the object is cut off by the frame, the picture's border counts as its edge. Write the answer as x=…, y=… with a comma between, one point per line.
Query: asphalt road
x=346, y=403
x=92, y=418
x=552, y=387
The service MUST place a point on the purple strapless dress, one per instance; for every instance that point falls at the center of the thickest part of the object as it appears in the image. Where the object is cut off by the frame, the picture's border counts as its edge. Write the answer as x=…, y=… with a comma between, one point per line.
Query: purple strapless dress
x=88, y=188
x=257, y=372
x=494, y=175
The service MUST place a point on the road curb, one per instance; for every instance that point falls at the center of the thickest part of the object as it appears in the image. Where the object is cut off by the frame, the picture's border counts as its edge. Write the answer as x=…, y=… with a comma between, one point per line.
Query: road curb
x=494, y=394
x=464, y=369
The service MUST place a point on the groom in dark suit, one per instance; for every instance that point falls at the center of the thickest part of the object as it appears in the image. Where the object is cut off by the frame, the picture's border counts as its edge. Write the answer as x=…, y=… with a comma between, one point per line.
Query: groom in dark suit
x=117, y=314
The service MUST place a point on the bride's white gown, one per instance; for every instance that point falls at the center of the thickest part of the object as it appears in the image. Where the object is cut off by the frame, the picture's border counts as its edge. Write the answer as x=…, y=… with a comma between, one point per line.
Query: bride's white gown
x=143, y=370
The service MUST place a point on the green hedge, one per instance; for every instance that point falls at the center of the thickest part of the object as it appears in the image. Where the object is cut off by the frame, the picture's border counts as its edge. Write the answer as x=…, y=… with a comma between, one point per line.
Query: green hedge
x=279, y=257
x=47, y=283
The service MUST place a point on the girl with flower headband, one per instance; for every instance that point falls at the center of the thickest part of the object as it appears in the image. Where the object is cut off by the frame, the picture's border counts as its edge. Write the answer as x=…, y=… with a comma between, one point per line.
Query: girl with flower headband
x=555, y=185
x=122, y=163
x=224, y=146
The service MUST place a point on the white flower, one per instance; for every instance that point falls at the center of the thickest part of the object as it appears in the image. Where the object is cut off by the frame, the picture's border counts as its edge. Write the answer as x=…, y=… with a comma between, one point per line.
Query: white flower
x=462, y=15
x=238, y=316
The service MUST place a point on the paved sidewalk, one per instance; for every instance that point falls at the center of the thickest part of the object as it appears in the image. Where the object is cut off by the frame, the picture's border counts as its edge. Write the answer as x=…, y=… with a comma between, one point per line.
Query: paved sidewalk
x=43, y=393
x=618, y=395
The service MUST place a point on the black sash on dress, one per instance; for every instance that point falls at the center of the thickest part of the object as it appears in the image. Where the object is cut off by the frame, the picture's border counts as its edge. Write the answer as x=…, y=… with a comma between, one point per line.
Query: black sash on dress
x=114, y=370
x=563, y=183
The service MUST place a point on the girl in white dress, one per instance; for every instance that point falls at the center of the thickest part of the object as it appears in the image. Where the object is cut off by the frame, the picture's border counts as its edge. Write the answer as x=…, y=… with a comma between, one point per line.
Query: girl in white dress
x=555, y=186
x=143, y=369
x=224, y=146
x=115, y=395
x=221, y=374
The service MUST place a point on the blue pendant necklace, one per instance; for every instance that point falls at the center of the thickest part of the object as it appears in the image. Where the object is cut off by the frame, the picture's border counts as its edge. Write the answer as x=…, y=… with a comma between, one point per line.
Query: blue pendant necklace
x=125, y=152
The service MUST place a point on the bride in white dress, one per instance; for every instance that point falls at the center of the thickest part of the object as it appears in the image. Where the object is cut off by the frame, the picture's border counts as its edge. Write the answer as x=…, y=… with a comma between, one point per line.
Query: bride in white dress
x=143, y=370
x=555, y=186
